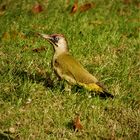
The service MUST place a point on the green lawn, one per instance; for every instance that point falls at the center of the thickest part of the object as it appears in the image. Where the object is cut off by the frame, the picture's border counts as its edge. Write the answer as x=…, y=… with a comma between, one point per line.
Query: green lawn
x=105, y=39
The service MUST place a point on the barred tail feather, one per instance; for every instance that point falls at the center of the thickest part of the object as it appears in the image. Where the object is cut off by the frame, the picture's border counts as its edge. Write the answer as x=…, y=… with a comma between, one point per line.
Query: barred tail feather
x=106, y=94
x=97, y=87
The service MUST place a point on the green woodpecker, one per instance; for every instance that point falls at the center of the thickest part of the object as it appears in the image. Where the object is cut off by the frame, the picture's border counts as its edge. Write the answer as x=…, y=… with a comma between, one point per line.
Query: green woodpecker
x=66, y=67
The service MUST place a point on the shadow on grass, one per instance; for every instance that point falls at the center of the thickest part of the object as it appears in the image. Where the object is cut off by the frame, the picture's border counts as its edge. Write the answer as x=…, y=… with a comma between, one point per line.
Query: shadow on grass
x=19, y=88
x=46, y=80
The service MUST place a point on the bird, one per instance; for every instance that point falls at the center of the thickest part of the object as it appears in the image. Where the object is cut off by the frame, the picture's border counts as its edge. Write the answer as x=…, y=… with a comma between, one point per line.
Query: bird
x=68, y=68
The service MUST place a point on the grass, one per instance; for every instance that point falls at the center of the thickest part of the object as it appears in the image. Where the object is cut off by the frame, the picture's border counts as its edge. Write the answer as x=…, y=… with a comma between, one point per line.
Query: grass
x=105, y=39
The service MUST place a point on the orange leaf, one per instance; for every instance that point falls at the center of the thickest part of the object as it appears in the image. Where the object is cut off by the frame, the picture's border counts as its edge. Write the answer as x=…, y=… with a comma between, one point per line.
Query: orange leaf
x=86, y=6
x=74, y=7
x=37, y=9
x=77, y=124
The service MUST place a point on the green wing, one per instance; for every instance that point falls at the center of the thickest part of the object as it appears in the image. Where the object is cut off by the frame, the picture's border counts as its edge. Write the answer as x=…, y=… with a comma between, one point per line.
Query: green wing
x=69, y=66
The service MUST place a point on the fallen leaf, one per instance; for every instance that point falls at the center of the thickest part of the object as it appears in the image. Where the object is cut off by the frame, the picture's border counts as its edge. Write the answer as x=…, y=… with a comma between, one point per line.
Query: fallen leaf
x=43, y=48
x=77, y=124
x=37, y=9
x=74, y=7
x=87, y=6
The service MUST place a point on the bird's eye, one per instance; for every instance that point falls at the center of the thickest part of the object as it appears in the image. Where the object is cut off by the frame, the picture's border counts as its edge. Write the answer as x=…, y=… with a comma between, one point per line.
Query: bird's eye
x=56, y=39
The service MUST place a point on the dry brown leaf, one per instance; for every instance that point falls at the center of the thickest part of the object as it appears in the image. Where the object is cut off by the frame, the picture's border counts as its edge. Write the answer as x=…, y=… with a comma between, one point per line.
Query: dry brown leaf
x=37, y=9
x=74, y=7
x=87, y=6
x=42, y=48
x=77, y=123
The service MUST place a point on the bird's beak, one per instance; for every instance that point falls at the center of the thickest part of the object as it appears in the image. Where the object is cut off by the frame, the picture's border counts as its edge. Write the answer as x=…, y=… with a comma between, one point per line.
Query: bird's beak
x=47, y=37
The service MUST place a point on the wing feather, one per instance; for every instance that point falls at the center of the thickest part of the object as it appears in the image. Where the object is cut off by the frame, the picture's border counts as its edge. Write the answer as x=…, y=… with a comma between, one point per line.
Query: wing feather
x=74, y=69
